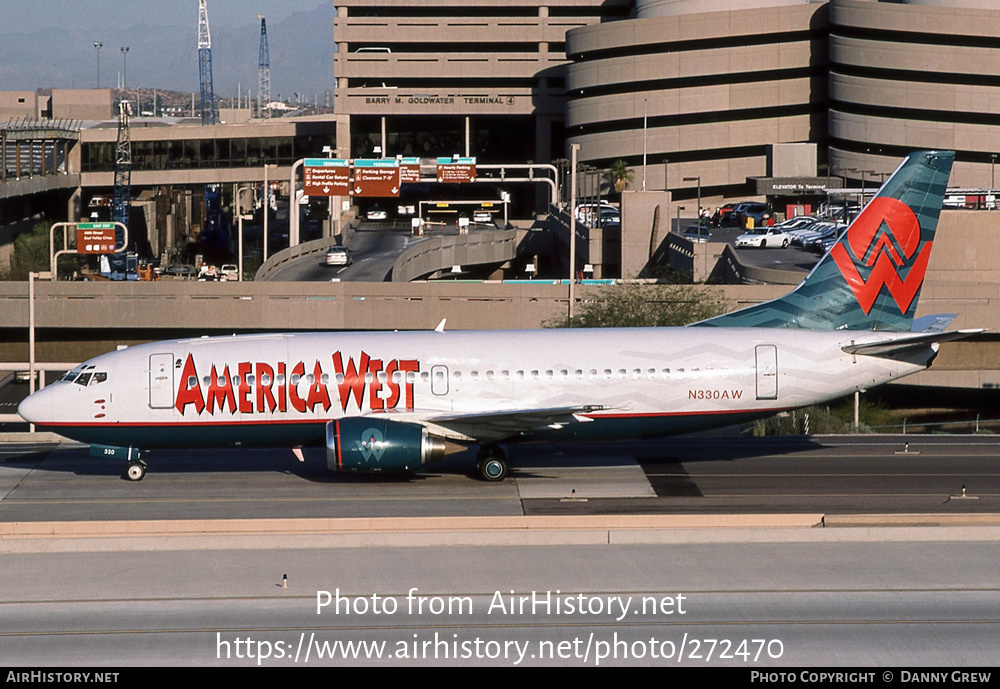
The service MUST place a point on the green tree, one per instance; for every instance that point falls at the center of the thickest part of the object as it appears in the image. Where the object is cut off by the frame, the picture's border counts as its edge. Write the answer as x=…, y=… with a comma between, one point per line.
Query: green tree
x=31, y=254
x=619, y=175
x=627, y=305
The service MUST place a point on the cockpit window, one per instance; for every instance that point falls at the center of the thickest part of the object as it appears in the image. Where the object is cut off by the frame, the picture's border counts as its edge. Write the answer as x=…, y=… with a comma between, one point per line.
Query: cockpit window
x=100, y=377
x=84, y=379
x=70, y=376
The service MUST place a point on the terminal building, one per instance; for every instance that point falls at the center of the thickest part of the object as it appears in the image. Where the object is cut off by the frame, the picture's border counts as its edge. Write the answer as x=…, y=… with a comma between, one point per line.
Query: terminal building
x=696, y=96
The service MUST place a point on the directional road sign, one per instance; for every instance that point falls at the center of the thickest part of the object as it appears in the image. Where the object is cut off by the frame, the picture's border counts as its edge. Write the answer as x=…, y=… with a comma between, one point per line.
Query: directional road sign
x=409, y=170
x=326, y=177
x=456, y=170
x=95, y=238
x=376, y=177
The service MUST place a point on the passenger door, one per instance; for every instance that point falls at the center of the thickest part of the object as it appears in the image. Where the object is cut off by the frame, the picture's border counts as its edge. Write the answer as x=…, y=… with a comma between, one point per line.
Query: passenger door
x=161, y=381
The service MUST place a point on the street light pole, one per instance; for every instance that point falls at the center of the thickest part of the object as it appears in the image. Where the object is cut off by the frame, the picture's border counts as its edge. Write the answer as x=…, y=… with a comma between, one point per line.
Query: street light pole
x=698, y=180
x=573, y=150
x=99, y=45
x=645, y=103
x=993, y=163
x=124, y=50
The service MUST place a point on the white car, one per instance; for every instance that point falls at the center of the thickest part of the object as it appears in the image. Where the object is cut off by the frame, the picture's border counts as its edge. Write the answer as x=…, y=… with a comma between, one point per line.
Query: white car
x=376, y=213
x=338, y=256
x=230, y=272
x=482, y=216
x=764, y=237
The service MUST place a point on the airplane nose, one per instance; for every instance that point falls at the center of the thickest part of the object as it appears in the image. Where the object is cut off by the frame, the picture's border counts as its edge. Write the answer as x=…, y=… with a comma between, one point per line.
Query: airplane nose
x=36, y=408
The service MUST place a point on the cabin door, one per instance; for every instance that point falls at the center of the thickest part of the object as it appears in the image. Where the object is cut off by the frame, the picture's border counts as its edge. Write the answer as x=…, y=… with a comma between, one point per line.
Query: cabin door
x=161, y=381
x=767, y=372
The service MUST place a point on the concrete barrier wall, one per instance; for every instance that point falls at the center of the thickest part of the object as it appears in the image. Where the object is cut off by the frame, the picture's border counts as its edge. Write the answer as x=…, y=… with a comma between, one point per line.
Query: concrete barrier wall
x=478, y=247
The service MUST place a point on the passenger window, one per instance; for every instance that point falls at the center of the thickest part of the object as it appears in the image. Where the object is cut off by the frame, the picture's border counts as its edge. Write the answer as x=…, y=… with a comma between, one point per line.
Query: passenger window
x=265, y=379
x=236, y=381
x=325, y=378
x=294, y=380
x=251, y=379
x=192, y=381
x=280, y=380
x=340, y=378
x=397, y=376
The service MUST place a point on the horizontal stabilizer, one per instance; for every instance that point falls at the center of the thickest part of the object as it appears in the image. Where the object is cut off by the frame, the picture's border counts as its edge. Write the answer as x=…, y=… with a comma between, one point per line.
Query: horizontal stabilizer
x=937, y=323
x=901, y=344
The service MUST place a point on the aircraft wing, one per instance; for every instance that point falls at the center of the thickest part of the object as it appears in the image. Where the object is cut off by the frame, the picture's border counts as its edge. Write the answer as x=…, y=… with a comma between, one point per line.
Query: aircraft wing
x=496, y=425
x=901, y=344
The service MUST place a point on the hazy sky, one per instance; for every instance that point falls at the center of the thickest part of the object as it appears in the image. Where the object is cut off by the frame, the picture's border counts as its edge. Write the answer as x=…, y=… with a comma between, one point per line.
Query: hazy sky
x=50, y=44
x=26, y=16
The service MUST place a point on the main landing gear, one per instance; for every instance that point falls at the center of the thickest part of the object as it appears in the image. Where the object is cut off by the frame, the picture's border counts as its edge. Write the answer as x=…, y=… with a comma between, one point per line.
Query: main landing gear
x=491, y=464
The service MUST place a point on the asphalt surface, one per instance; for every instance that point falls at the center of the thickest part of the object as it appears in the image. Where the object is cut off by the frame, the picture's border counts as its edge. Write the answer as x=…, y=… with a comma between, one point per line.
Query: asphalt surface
x=833, y=475
x=396, y=573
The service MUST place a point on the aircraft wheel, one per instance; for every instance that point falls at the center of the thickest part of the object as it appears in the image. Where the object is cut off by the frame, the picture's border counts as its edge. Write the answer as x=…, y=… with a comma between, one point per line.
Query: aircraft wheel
x=493, y=470
x=135, y=471
x=492, y=465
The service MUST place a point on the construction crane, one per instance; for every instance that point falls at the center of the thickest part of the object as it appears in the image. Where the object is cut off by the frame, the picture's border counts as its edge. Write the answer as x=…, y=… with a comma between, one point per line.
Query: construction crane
x=120, y=266
x=263, y=72
x=205, y=65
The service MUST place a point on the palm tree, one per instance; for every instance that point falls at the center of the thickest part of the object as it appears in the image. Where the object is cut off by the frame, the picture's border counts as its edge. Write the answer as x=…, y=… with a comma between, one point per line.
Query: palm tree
x=619, y=175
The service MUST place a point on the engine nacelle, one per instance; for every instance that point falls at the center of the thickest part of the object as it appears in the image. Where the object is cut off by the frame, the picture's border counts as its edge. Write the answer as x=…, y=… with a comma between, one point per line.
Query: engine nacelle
x=372, y=444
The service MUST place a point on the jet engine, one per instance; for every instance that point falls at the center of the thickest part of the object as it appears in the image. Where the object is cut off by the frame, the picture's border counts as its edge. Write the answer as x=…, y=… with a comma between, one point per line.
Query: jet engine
x=372, y=445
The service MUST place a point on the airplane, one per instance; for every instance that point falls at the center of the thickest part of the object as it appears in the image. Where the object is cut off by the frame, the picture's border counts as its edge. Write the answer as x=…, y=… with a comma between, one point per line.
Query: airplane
x=396, y=401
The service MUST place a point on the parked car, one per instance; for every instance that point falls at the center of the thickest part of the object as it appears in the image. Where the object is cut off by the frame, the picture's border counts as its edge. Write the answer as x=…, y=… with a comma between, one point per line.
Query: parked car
x=230, y=272
x=697, y=234
x=763, y=238
x=750, y=209
x=818, y=231
x=723, y=216
x=339, y=256
x=179, y=271
x=482, y=216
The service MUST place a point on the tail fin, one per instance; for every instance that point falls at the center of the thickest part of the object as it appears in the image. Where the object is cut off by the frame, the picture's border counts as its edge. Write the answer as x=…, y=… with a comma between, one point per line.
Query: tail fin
x=871, y=278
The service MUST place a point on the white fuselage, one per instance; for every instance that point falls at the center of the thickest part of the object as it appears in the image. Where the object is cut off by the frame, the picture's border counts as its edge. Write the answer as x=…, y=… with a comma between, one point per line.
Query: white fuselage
x=280, y=390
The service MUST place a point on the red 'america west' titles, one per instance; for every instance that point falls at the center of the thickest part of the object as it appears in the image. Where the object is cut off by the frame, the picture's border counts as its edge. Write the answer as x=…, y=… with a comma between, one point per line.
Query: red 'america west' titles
x=272, y=388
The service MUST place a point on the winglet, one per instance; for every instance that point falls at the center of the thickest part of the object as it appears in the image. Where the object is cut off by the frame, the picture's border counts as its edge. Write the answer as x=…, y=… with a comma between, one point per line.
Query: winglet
x=440, y=326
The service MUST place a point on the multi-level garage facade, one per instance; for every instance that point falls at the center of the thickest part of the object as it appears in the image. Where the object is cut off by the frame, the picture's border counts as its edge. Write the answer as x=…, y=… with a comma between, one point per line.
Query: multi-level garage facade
x=698, y=89
x=677, y=88
x=456, y=76
x=921, y=75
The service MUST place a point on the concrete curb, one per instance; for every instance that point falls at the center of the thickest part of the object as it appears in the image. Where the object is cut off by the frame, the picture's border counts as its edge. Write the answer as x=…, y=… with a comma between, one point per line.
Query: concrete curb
x=286, y=534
